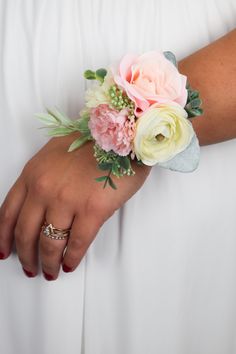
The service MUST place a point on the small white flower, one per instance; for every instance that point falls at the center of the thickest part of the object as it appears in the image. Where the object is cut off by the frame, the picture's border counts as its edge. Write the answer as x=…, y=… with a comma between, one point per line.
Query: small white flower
x=98, y=94
x=162, y=132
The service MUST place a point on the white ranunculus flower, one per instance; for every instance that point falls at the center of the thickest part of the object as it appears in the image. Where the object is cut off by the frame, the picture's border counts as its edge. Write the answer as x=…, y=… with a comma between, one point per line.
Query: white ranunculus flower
x=98, y=94
x=162, y=132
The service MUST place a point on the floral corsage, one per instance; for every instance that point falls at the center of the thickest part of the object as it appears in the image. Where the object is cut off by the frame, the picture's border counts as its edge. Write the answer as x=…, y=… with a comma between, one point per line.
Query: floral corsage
x=138, y=111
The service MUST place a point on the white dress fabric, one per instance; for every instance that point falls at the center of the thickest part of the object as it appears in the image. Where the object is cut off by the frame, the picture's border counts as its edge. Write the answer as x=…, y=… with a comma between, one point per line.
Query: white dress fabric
x=161, y=275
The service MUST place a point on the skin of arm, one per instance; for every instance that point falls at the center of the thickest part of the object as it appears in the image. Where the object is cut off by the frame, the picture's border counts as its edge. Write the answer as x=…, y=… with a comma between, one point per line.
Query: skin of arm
x=212, y=71
x=60, y=187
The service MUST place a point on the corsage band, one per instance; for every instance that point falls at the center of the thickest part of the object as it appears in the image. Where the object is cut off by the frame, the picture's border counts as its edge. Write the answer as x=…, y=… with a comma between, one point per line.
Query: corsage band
x=139, y=111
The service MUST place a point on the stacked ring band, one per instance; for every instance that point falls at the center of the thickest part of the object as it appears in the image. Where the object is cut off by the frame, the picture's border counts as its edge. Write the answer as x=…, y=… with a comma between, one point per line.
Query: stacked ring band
x=55, y=233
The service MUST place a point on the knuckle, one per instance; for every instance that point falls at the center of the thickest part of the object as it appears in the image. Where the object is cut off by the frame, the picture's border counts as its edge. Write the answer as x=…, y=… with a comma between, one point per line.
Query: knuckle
x=78, y=243
x=48, y=249
x=74, y=257
x=30, y=164
x=41, y=185
x=26, y=168
x=5, y=214
x=63, y=195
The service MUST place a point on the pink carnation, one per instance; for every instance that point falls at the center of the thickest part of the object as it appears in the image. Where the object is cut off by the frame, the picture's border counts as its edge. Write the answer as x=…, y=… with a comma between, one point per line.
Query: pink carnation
x=151, y=78
x=112, y=129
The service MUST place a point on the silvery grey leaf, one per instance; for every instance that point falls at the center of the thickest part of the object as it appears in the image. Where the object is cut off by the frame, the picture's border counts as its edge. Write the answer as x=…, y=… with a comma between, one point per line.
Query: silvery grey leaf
x=171, y=57
x=187, y=160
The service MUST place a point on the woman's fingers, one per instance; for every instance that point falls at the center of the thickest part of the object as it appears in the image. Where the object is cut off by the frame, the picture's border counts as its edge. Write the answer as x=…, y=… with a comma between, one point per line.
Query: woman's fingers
x=27, y=232
x=51, y=250
x=82, y=234
x=9, y=212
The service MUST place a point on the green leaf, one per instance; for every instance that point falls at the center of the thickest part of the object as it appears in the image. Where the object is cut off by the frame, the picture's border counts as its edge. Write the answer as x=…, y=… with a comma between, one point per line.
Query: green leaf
x=60, y=131
x=193, y=94
x=101, y=179
x=171, y=57
x=194, y=112
x=46, y=118
x=124, y=162
x=111, y=183
x=90, y=75
x=59, y=116
x=82, y=124
x=195, y=103
x=198, y=111
x=105, y=166
x=84, y=114
x=100, y=74
x=79, y=142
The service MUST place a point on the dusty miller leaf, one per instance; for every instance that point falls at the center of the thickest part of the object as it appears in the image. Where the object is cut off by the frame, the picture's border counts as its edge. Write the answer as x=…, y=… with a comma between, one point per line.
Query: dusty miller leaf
x=171, y=57
x=185, y=161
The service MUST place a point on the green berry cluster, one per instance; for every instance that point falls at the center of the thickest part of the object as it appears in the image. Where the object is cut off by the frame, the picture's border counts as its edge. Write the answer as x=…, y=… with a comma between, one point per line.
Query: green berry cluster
x=119, y=99
x=102, y=156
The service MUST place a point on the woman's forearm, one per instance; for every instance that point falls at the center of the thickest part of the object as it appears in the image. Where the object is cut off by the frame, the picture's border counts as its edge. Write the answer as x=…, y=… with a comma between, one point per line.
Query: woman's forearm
x=212, y=71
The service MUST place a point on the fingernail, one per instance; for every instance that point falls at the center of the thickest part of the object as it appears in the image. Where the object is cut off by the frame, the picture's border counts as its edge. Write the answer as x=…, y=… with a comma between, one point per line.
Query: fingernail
x=2, y=255
x=29, y=274
x=48, y=276
x=66, y=269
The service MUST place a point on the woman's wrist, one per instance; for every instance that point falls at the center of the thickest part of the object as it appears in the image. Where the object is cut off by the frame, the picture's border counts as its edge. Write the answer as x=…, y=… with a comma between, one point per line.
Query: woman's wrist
x=212, y=71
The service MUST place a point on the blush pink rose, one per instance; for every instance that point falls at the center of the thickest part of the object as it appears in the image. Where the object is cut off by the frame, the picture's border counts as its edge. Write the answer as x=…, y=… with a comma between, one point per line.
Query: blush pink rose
x=151, y=78
x=112, y=129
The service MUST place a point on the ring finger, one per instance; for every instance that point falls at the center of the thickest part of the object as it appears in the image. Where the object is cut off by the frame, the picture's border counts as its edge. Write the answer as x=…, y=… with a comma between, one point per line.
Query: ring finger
x=51, y=249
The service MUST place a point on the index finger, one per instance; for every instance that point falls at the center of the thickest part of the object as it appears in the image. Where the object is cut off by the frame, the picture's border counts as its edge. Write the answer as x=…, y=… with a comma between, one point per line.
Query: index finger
x=9, y=212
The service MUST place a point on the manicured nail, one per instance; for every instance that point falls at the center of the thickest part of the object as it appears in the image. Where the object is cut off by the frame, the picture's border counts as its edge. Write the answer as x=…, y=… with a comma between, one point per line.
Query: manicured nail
x=66, y=269
x=2, y=255
x=29, y=274
x=48, y=276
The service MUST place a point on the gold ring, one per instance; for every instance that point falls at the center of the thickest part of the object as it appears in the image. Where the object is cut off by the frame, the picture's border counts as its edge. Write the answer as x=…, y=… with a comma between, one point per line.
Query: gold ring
x=54, y=233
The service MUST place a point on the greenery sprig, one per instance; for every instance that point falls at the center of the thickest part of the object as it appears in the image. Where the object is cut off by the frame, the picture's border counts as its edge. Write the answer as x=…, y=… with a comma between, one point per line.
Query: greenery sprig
x=59, y=124
x=193, y=103
x=114, y=164
x=98, y=75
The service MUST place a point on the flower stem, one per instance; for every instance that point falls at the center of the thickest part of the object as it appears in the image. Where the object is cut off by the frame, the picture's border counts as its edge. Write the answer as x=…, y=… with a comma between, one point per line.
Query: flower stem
x=107, y=179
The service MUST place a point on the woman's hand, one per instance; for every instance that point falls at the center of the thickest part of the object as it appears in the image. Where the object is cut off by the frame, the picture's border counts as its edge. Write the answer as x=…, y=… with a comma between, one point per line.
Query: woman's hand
x=60, y=187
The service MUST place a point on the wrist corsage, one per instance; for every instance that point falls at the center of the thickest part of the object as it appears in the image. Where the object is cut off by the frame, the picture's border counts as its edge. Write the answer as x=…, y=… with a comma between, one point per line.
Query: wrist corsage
x=137, y=111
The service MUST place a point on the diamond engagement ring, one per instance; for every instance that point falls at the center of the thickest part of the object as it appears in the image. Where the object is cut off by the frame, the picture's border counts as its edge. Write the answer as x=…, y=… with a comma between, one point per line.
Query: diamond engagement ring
x=54, y=233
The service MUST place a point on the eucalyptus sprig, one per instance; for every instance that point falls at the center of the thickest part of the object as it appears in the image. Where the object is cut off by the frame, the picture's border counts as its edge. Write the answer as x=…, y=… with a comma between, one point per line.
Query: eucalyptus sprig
x=193, y=103
x=98, y=75
x=59, y=124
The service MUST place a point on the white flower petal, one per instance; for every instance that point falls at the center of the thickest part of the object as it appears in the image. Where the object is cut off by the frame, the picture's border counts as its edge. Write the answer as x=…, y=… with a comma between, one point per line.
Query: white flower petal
x=169, y=121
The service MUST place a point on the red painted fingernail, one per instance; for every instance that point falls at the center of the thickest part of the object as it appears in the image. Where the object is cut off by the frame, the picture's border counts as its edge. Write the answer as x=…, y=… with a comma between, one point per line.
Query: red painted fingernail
x=2, y=255
x=48, y=276
x=66, y=269
x=29, y=274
